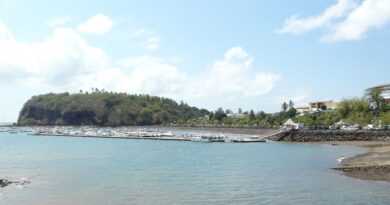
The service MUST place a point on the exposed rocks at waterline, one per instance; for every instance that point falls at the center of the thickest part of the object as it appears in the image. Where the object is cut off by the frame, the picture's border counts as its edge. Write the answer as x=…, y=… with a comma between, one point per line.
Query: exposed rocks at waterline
x=332, y=135
x=378, y=172
x=373, y=165
x=6, y=182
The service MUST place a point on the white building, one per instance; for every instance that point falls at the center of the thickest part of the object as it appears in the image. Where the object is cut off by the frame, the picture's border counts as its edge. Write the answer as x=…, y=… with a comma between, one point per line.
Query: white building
x=291, y=124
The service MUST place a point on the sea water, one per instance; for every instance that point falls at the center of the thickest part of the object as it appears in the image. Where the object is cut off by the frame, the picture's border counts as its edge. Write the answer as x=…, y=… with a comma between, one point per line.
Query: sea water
x=95, y=171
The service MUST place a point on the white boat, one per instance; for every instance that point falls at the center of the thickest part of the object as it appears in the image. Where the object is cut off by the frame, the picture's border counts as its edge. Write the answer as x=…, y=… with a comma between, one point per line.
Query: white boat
x=249, y=139
x=208, y=139
x=167, y=134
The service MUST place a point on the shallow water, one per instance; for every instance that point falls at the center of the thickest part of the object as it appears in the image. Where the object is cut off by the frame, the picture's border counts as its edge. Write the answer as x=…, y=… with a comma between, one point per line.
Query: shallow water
x=92, y=171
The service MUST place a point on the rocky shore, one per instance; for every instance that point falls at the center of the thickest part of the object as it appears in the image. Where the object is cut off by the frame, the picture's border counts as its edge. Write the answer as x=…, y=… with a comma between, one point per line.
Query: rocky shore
x=6, y=182
x=378, y=172
x=333, y=135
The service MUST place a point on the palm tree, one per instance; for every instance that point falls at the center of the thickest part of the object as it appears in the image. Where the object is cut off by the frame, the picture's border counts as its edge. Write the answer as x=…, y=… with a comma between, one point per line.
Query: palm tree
x=290, y=104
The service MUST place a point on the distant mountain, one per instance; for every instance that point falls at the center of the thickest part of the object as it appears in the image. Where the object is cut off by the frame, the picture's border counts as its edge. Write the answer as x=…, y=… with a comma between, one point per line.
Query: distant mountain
x=105, y=109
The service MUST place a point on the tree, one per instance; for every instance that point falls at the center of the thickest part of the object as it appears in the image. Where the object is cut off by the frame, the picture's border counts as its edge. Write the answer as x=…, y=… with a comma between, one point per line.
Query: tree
x=386, y=119
x=105, y=108
x=261, y=115
x=228, y=111
x=290, y=105
x=344, y=108
x=355, y=110
x=211, y=116
x=292, y=112
x=251, y=115
x=376, y=99
x=219, y=114
x=284, y=107
x=239, y=110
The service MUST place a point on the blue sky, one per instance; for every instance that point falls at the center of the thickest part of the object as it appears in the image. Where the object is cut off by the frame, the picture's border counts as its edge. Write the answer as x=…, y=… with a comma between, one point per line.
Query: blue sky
x=247, y=53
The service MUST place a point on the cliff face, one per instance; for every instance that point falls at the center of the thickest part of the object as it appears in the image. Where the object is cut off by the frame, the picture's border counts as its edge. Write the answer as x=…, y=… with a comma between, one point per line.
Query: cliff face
x=104, y=109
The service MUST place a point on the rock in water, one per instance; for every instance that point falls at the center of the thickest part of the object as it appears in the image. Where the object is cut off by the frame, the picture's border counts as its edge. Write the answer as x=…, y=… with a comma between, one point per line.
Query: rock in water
x=4, y=182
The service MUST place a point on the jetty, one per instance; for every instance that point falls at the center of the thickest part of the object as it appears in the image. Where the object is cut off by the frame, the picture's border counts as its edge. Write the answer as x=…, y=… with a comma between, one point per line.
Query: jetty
x=141, y=133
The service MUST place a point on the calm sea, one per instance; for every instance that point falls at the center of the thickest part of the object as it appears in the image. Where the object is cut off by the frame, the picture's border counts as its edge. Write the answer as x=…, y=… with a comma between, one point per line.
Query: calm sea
x=92, y=171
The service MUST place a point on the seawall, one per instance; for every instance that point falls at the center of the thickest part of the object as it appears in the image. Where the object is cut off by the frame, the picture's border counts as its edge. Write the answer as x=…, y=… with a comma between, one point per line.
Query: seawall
x=332, y=135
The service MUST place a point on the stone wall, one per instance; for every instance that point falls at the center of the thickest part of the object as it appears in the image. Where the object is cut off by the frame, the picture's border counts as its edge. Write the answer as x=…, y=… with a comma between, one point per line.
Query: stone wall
x=333, y=135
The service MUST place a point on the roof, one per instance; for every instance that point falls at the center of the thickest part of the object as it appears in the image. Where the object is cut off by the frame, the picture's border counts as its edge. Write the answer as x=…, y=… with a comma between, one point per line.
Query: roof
x=380, y=86
x=324, y=101
x=341, y=122
x=290, y=122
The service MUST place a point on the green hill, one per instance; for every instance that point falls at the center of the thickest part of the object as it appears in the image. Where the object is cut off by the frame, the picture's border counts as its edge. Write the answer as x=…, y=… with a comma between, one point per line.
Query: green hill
x=105, y=109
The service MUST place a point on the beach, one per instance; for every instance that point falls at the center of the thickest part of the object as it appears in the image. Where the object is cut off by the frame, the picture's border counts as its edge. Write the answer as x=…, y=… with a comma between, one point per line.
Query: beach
x=373, y=165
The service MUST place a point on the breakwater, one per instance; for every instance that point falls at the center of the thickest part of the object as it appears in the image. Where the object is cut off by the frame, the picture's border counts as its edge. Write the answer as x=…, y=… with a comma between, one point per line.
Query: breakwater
x=332, y=135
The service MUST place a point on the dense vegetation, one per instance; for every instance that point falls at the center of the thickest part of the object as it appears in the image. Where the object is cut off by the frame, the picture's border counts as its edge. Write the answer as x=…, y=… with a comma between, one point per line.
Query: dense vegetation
x=353, y=111
x=370, y=109
x=116, y=109
x=249, y=118
x=104, y=109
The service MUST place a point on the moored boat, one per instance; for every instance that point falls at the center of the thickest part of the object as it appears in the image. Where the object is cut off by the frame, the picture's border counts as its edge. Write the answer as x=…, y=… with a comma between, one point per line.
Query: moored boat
x=248, y=140
x=208, y=139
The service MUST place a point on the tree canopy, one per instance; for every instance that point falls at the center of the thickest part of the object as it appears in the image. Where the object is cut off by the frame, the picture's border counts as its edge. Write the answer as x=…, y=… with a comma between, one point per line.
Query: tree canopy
x=103, y=108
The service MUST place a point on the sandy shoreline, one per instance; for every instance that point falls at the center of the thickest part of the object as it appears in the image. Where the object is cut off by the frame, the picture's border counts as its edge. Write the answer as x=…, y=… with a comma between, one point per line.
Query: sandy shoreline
x=372, y=165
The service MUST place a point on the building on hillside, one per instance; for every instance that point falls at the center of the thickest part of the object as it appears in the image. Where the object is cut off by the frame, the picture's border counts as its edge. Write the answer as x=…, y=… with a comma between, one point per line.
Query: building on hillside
x=323, y=105
x=236, y=115
x=303, y=110
x=385, y=92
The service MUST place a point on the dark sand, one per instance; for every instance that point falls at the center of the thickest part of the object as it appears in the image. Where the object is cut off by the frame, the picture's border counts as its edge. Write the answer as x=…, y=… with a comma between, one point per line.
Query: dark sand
x=373, y=165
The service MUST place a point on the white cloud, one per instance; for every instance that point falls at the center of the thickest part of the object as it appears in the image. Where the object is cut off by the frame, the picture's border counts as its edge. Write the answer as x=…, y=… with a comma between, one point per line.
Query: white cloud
x=137, y=61
x=97, y=25
x=238, y=54
x=371, y=14
x=59, y=21
x=151, y=44
x=143, y=32
x=298, y=25
x=345, y=20
x=299, y=97
x=5, y=34
x=56, y=60
x=66, y=61
x=231, y=78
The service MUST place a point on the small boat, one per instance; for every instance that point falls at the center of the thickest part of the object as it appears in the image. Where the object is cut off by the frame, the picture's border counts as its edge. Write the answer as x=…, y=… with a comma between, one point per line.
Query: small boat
x=216, y=139
x=199, y=139
x=208, y=139
x=167, y=134
x=249, y=140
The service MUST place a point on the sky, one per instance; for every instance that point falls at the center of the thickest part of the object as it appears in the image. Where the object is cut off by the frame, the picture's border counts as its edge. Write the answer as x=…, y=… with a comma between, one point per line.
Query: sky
x=234, y=54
